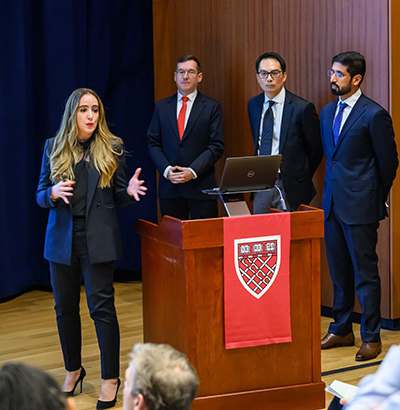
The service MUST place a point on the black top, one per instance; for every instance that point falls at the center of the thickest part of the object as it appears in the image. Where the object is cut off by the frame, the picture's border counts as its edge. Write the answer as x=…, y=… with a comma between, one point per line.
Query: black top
x=81, y=179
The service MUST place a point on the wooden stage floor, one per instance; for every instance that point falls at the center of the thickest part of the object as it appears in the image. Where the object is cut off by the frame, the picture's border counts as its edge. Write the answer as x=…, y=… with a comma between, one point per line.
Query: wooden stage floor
x=28, y=334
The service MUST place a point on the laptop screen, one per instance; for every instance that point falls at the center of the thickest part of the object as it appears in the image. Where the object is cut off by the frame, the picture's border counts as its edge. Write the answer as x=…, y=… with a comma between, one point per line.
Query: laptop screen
x=247, y=174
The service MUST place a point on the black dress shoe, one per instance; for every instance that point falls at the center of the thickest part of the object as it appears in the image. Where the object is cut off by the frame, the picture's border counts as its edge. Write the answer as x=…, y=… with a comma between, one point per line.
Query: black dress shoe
x=331, y=340
x=108, y=404
x=368, y=351
x=80, y=379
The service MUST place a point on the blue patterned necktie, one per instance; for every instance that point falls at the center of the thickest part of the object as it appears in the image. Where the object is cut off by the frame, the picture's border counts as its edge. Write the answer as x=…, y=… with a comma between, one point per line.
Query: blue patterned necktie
x=338, y=122
x=267, y=131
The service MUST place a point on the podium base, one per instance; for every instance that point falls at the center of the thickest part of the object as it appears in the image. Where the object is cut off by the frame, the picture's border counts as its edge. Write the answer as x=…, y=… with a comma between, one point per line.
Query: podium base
x=304, y=396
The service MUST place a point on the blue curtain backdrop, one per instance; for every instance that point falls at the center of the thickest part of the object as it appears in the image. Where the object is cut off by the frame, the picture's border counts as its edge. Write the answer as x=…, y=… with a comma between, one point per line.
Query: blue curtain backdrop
x=47, y=50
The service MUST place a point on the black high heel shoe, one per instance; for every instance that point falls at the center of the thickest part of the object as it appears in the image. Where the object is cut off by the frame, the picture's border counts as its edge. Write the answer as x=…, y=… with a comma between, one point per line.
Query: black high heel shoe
x=80, y=379
x=108, y=404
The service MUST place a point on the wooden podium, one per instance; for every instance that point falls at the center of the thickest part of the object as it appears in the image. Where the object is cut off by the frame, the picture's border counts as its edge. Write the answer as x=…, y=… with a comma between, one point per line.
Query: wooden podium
x=183, y=305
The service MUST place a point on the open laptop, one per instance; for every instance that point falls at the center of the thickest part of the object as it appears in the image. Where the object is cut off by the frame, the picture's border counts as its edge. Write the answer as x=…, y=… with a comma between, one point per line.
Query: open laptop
x=248, y=174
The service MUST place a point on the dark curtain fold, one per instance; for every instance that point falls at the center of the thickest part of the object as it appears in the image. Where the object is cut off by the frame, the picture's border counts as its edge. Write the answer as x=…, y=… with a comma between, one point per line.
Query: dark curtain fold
x=48, y=49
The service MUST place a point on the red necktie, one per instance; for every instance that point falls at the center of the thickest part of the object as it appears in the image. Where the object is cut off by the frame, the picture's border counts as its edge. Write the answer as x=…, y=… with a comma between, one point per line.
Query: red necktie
x=181, y=117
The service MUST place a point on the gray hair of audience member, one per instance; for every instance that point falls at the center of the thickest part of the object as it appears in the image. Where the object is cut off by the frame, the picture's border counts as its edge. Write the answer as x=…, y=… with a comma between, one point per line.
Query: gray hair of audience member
x=24, y=387
x=163, y=376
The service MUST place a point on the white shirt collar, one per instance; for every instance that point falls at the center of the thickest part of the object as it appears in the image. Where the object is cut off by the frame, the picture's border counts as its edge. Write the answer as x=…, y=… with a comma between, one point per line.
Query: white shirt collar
x=191, y=96
x=279, y=99
x=351, y=101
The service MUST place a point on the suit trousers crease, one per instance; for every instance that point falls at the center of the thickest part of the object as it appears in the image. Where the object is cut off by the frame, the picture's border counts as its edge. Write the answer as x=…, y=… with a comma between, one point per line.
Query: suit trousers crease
x=270, y=198
x=353, y=266
x=98, y=281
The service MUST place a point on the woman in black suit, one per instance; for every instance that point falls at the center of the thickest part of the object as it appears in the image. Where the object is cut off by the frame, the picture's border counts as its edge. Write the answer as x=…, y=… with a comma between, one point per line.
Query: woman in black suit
x=82, y=178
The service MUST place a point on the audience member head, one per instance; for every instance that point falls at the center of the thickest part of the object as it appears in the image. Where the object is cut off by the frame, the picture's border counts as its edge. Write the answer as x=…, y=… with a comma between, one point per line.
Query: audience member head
x=24, y=387
x=159, y=378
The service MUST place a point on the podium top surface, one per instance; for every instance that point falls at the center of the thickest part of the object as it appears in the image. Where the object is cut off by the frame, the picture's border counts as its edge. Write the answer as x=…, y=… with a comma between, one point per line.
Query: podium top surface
x=306, y=223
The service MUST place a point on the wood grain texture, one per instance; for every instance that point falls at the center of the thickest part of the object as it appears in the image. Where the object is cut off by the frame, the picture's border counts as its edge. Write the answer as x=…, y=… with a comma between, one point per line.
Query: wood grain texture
x=395, y=196
x=309, y=33
x=183, y=306
x=228, y=36
x=28, y=334
x=293, y=398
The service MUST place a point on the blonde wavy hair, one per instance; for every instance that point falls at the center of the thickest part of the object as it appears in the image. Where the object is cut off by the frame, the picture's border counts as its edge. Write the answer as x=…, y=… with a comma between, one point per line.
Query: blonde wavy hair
x=66, y=151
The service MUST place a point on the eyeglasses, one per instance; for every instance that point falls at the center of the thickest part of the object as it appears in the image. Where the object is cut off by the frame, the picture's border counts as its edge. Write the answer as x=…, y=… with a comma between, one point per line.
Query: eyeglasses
x=274, y=74
x=338, y=74
x=190, y=73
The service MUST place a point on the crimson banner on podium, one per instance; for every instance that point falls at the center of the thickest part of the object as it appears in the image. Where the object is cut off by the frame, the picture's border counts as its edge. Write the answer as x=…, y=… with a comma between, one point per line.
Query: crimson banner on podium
x=257, y=282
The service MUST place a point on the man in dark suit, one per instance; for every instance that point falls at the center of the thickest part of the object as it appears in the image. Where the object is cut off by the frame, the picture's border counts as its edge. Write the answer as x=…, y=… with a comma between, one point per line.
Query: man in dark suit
x=361, y=164
x=186, y=139
x=283, y=123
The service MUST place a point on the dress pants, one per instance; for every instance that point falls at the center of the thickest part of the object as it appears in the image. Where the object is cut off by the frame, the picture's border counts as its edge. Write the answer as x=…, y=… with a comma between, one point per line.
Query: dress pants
x=353, y=265
x=98, y=280
x=271, y=198
x=182, y=208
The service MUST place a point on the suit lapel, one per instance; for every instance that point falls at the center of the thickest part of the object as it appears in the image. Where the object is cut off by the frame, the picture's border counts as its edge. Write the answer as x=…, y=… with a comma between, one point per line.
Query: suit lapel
x=197, y=108
x=328, y=125
x=355, y=113
x=256, y=119
x=171, y=104
x=286, y=117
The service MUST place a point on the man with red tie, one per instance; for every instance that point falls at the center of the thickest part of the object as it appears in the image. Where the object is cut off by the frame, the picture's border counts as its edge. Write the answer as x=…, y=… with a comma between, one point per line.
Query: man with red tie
x=186, y=139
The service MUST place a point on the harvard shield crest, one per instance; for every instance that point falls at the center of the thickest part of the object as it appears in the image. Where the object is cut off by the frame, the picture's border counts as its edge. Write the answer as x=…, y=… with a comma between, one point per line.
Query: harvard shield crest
x=257, y=262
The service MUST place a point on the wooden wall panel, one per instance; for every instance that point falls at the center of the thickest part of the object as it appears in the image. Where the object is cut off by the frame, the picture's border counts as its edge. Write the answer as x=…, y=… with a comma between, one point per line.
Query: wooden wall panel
x=225, y=35
x=395, y=199
x=228, y=36
x=309, y=33
x=308, y=37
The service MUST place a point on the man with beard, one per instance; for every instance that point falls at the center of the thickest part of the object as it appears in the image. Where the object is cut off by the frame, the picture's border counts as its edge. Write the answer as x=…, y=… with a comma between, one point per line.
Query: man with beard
x=361, y=163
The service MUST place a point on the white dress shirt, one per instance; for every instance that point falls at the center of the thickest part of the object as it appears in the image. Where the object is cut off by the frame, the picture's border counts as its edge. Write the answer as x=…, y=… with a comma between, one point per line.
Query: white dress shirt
x=189, y=105
x=351, y=102
x=277, y=111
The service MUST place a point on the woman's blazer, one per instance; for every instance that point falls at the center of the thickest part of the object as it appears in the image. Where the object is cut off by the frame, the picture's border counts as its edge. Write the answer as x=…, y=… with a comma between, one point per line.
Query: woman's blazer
x=102, y=228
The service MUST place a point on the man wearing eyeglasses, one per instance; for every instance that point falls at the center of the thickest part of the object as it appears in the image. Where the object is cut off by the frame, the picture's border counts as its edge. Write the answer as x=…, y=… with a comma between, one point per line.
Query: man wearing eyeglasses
x=283, y=123
x=186, y=139
x=361, y=163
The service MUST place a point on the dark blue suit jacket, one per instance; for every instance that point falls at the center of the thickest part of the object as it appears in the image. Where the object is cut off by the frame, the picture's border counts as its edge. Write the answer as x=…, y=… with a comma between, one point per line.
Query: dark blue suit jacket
x=201, y=146
x=299, y=144
x=361, y=167
x=102, y=228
